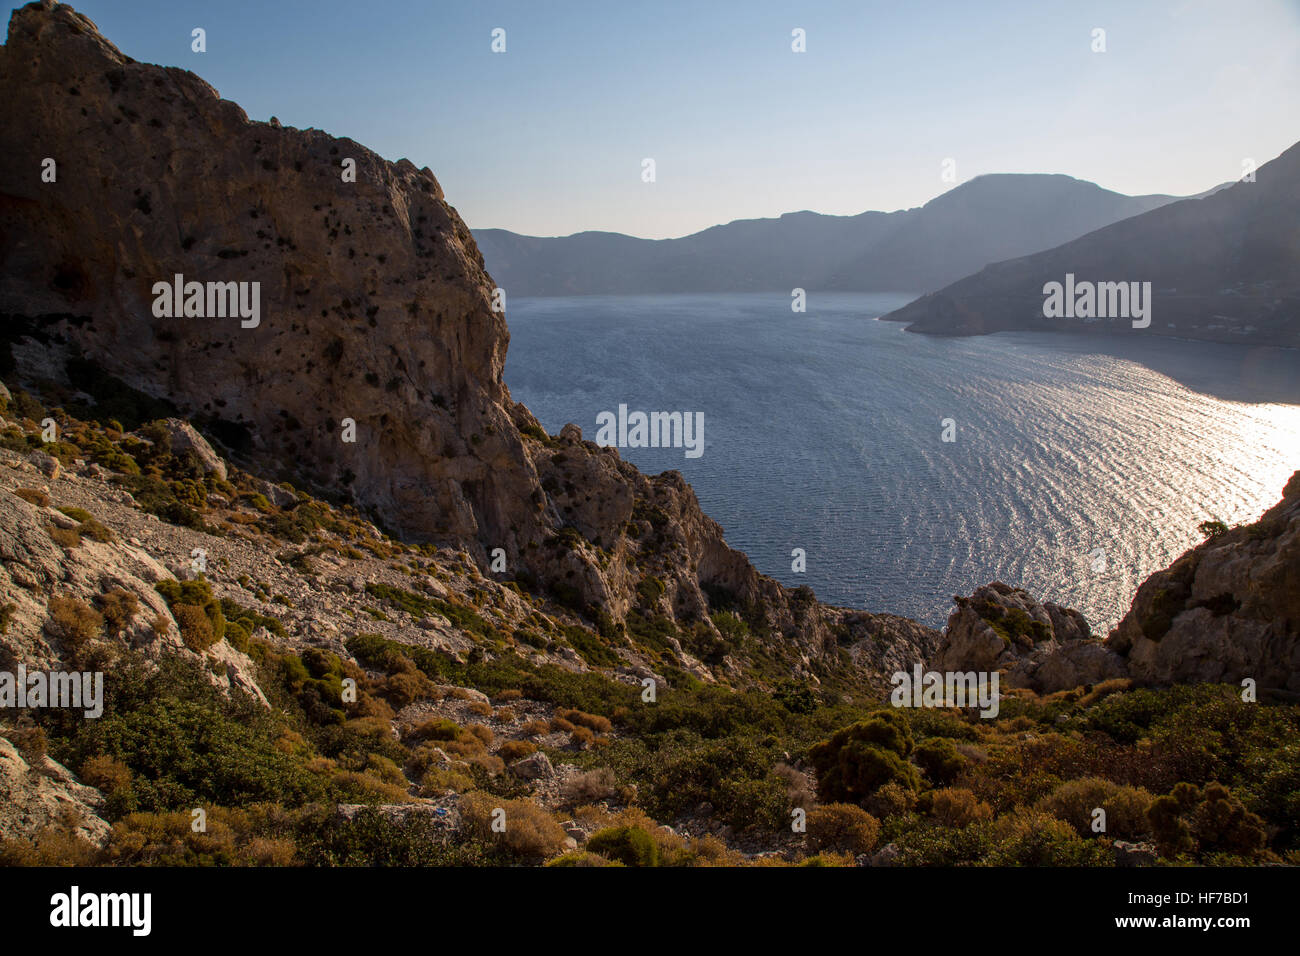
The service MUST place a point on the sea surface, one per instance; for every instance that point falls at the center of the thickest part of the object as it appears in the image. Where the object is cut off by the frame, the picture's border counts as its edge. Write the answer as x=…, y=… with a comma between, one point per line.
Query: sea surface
x=1080, y=463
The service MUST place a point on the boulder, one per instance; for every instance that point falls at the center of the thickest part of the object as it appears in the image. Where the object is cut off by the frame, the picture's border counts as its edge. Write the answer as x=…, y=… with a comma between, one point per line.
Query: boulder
x=887, y=855
x=280, y=497
x=183, y=438
x=533, y=767
x=1134, y=854
x=46, y=464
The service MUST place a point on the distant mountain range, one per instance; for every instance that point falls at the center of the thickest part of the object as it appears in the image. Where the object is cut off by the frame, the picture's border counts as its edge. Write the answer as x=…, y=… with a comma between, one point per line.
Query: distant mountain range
x=1225, y=267
x=985, y=220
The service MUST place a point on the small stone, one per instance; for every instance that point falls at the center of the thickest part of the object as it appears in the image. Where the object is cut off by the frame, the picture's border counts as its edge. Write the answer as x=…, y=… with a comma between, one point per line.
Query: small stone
x=46, y=464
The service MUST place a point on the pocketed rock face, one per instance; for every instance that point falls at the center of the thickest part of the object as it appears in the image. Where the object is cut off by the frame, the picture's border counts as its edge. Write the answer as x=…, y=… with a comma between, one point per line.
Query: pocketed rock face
x=373, y=300
x=1032, y=644
x=374, y=307
x=1226, y=610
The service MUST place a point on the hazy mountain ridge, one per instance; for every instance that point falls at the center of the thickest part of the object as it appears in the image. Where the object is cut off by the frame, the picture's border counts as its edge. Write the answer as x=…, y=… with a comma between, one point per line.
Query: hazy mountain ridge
x=1225, y=267
x=989, y=218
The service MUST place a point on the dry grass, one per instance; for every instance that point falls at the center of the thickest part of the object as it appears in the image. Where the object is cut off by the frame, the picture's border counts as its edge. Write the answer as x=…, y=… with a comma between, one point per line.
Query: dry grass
x=74, y=621
x=590, y=787
x=513, y=750
x=957, y=807
x=66, y=538
x=592, y=722
x=529, y=831
x=118, y=606
x=33, y=496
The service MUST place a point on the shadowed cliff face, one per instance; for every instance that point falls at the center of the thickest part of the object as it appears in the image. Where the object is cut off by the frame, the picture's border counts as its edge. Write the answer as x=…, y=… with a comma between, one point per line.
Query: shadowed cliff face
x=374, y=306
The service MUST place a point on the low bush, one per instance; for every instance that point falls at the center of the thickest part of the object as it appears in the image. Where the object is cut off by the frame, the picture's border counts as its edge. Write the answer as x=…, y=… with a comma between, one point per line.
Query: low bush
x=842, y=828
x=631, y=846
x=1076, y=802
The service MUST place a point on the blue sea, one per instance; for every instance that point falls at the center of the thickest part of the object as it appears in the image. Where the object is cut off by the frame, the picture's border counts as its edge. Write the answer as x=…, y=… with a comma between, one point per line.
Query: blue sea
x=1079, y=464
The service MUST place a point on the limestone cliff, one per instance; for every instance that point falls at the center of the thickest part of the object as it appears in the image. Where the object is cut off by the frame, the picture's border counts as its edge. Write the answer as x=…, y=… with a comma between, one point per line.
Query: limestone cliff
x=1226, y=610
x=374, y=306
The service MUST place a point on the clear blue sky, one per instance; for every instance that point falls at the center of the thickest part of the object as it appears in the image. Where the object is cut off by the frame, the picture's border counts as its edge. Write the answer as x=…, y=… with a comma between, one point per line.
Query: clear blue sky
x=548, y=137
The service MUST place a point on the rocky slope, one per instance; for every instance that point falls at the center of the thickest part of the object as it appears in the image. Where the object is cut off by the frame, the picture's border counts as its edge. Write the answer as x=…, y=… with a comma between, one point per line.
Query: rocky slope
x=322, y=570
x=39, y=794
x=91, y=541
x=375, y=307
x=1222, y=268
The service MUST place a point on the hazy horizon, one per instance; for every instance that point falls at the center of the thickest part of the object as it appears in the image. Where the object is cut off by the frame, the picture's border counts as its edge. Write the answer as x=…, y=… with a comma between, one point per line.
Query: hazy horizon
x=838, y=215
x=548, y=137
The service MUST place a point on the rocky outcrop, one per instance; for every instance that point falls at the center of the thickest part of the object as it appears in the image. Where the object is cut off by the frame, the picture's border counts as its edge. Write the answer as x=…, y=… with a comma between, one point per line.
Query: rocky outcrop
x=1227, y=610
x=43, y=793
x=185, y=439
x=1032, y=644
x=375, y=315
x=887, y=643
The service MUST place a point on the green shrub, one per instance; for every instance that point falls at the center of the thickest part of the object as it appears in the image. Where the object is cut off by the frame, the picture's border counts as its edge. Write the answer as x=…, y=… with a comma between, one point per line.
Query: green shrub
x=631, y=846
x=196, y=628
x=190, y=600
x=1033, y=838
x=583, y=858
x=931, y=845
x=859, y=759
x=238, y=635
x=1190, y=820
x=590, y=647
x=183, y=754
x=939, y=758
x=371, y=838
